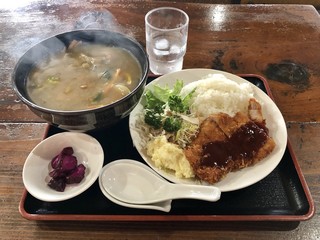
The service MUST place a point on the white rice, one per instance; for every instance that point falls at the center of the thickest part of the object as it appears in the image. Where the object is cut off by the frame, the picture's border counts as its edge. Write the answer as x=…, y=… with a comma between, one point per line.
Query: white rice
x=215, y=93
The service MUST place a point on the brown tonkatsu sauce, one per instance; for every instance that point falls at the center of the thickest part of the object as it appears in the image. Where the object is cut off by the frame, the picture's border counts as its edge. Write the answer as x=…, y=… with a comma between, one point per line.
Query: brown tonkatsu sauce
x=242, y=144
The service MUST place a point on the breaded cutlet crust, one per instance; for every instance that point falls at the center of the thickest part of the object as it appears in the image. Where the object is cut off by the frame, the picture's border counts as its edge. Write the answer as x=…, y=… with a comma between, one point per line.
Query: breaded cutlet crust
x=218, y=128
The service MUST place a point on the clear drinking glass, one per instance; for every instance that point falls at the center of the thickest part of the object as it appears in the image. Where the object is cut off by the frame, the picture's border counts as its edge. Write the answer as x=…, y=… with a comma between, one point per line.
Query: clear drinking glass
x=166, y=39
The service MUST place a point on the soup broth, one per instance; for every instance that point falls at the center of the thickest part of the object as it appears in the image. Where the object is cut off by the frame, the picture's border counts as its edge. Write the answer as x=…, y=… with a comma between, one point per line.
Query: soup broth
x=86, y=76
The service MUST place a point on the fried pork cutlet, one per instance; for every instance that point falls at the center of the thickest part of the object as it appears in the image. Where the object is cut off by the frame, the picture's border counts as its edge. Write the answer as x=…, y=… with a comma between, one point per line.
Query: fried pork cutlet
x=226, y=143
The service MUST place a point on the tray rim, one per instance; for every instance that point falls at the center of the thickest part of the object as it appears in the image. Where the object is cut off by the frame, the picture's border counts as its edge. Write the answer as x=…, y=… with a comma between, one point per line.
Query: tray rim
x=168, y=217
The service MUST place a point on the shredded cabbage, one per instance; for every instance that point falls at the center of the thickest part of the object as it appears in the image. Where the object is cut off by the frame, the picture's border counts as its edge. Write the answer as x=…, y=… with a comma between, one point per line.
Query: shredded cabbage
x=167, y=113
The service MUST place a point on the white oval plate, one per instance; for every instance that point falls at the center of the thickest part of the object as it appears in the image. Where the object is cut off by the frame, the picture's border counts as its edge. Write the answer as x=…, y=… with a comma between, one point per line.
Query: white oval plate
x=234, y=180
x=35, y=174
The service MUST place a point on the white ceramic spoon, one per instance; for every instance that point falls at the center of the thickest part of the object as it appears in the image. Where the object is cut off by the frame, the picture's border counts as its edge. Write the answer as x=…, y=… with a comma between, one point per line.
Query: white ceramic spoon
x=164, y=206
x=133, y=182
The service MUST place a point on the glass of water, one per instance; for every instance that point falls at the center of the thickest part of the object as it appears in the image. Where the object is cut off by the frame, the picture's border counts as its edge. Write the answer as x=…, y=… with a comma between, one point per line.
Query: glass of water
x=166, y=39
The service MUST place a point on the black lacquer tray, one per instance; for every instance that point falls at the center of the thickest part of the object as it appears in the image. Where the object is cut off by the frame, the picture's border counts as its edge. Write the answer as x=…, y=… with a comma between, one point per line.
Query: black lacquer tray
x=282, y=196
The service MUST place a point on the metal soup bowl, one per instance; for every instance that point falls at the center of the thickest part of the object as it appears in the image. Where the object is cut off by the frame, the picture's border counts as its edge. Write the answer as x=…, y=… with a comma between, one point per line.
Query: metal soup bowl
x=80, y=120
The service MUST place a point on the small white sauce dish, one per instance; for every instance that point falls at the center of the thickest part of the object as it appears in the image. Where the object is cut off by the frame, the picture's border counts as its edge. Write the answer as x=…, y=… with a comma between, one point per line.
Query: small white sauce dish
x=35, y=174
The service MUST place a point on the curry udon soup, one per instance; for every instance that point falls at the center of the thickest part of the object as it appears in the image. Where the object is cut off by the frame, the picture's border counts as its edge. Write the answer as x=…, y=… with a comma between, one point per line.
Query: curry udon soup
x=85, y=76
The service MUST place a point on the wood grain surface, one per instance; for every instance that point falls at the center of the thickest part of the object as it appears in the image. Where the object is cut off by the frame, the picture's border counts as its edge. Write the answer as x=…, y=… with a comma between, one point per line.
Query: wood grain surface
x=278, y=42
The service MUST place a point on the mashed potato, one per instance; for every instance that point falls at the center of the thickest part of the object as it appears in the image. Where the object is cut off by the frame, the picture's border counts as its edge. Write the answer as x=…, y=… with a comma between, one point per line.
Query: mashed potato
x=215, y=93
x=167, y=155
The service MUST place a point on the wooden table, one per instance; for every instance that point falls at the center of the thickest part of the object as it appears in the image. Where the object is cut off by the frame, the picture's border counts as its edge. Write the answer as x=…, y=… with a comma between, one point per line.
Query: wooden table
x=278, y=42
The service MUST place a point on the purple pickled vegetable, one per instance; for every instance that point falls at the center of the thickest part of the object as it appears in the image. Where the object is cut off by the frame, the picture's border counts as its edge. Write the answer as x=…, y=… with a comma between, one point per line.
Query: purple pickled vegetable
x=68, y=163
x=76, y=175
x=58, y=184
x=56, y=161
x=65, y=170
x=67, y=151
x=56, y=173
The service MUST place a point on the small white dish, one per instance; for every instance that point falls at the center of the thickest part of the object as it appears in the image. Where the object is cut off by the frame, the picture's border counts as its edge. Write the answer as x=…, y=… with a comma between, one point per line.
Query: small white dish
x=164, y=206
x=35, y=174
